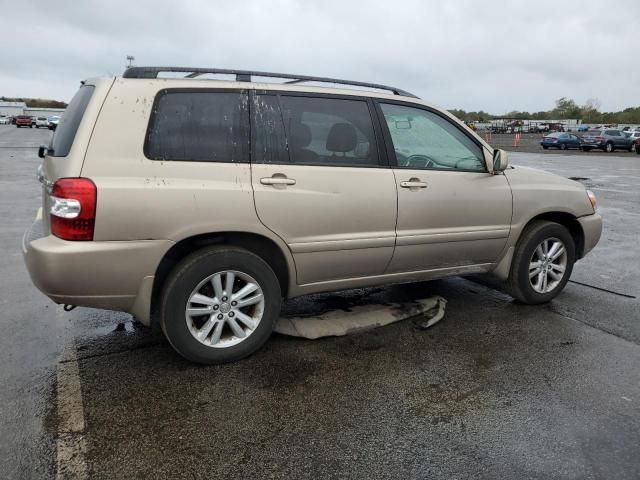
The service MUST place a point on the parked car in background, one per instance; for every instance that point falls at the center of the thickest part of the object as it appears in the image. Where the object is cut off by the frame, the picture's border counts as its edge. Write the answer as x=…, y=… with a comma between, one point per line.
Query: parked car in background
x=53, y=122
x=634, y=135
x=24, y=121
x=5, y=120
x=606, y=140
x=296, y=171
x=560, y=140
x=583, y=128
x=539, y=128
x=42, y=122
x=556, y=127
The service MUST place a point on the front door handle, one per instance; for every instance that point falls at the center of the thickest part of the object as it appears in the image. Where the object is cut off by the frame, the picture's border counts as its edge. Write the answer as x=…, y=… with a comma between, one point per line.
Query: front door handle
x=277, y=179
x=413, y=183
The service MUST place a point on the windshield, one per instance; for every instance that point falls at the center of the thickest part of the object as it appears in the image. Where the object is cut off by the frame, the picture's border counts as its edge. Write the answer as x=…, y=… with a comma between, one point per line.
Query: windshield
x=70, y=121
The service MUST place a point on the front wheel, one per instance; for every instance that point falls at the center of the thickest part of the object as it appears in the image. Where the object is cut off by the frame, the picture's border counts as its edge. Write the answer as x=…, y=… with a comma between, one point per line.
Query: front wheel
x=609, y=147
x=542, y=263
x=219, y=305
x=565, y=146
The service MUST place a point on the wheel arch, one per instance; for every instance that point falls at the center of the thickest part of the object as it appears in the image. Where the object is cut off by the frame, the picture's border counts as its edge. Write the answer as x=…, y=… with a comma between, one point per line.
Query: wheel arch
x=568, y=220
x=262, y=246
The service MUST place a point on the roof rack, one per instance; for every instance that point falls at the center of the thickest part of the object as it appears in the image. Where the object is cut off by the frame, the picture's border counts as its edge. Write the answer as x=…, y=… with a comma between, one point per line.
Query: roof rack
x=245, y=76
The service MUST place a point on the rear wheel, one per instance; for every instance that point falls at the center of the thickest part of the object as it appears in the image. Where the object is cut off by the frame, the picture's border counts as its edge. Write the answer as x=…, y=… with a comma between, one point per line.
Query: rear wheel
x=545, y=147
x=542, y=263
x=609, y=147
x=564, y=146
x=219, y=305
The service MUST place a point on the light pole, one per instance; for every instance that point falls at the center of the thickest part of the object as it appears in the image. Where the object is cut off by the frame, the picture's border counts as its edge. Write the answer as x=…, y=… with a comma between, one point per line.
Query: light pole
x=130, y=59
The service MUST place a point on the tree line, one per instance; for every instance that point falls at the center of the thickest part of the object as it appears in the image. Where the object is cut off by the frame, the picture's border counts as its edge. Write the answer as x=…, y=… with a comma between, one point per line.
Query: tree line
x=36, y=102
x=565, y=108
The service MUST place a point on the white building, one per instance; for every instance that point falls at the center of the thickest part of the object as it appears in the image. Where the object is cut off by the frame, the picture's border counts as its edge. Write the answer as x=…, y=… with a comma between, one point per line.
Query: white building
x=11, y=109
x=42, y=112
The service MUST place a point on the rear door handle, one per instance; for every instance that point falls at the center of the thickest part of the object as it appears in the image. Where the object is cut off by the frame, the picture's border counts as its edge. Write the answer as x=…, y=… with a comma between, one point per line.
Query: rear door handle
x=277, y=180
x=413, y=183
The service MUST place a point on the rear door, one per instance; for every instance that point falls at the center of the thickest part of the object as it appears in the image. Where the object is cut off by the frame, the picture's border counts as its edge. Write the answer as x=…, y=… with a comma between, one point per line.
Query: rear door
x=322, y=184
x=451, y=211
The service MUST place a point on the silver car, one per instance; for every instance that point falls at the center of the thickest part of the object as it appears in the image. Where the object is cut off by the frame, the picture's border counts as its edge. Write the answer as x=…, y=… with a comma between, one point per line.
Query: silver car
x=201, y=204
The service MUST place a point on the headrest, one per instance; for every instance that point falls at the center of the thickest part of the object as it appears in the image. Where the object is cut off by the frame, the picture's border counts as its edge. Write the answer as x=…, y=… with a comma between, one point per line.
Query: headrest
x=300, y=135
x=342, y=138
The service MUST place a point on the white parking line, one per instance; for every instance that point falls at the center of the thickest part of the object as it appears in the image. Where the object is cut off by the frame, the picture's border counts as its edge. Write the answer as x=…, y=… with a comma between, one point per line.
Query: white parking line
x=71, y=446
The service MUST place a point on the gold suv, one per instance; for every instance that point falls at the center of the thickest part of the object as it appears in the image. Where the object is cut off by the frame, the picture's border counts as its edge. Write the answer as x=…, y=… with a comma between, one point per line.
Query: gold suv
x=202, y=203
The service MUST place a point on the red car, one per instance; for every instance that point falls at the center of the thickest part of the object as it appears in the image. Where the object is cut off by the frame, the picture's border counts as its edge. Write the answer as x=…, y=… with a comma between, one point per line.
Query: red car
x=24, y=121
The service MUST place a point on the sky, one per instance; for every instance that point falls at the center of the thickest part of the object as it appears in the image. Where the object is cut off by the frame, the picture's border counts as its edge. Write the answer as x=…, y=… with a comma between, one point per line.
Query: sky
x=489, y=55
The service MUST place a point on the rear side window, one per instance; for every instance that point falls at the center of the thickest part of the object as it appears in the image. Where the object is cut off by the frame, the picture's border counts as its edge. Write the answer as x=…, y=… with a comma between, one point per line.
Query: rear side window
x=200, y=126
x=70, y=121
x=318, y=131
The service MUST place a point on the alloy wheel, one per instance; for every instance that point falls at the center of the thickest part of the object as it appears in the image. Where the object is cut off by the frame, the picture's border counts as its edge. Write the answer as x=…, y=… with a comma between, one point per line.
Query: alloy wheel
x=224, y=309
x=547, y=265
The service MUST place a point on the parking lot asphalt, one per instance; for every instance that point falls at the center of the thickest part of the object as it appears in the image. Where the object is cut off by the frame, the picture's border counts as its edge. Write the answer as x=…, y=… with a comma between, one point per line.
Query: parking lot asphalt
x=495, y=390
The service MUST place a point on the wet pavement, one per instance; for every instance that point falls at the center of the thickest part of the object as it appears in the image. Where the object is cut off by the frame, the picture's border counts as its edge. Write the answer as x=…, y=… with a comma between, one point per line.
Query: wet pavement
x=495, y=390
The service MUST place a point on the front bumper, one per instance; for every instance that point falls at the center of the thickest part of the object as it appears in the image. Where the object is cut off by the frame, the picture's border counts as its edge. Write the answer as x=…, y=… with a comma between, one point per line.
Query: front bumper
x=114, y=275
x=592, y=229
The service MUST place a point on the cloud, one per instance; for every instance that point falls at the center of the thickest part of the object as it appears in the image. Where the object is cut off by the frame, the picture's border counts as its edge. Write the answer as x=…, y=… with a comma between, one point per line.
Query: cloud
x=496, y=56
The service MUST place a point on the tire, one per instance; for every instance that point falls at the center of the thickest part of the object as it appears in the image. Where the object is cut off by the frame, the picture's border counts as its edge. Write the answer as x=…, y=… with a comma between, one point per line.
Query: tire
x=564, y=146
x=545, y=147
x=186, y=280
x=638, y=150
x=586, y=149
x=609, y=147
x=519, y=284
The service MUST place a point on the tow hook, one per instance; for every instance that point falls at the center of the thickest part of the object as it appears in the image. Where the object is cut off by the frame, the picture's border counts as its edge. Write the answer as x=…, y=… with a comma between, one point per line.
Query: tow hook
x=68, y=308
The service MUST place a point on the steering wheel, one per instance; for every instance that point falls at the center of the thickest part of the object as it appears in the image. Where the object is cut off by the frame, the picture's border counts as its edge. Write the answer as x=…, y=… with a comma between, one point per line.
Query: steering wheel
x=420, y=161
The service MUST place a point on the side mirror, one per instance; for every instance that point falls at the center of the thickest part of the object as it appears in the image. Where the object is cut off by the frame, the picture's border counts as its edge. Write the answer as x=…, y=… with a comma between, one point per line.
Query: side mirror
x=500, y=160
x=42, y=151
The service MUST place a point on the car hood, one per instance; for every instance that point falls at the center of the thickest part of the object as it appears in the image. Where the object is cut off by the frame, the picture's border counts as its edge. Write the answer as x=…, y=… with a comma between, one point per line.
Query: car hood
x=541, y=191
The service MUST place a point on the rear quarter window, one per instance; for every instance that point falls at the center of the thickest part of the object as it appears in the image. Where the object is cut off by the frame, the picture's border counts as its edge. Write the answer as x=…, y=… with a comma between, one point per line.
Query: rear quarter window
x=70, y=121
x=200, y=126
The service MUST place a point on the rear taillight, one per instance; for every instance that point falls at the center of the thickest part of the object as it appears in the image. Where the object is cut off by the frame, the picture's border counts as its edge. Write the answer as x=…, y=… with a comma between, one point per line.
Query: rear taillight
x=73, y=208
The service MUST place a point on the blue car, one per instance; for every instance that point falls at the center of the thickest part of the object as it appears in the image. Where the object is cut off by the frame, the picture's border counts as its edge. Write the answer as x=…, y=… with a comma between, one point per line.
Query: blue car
x=583, y=128
x=561, y=140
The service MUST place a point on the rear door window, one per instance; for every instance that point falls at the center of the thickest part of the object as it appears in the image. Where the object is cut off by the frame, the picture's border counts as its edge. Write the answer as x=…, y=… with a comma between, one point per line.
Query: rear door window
x=318, y=130
x=70, y=121
x=199, y=126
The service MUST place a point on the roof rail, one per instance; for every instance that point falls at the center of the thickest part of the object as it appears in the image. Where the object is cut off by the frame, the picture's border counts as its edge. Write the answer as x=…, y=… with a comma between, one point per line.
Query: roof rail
x=245, y=76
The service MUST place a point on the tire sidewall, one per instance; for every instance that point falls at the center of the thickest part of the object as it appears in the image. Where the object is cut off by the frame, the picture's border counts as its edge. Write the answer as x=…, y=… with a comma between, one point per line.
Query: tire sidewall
x=188, y=274
x=548, y=230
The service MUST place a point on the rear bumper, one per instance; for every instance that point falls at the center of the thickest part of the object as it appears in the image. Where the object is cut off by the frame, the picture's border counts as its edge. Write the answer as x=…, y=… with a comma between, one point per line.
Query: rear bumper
x=592, y=228
x=109, y=275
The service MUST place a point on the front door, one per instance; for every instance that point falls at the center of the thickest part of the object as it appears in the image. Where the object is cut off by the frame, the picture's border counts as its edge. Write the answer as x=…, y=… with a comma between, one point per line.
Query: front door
x=321, y=184
x=451, y=211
